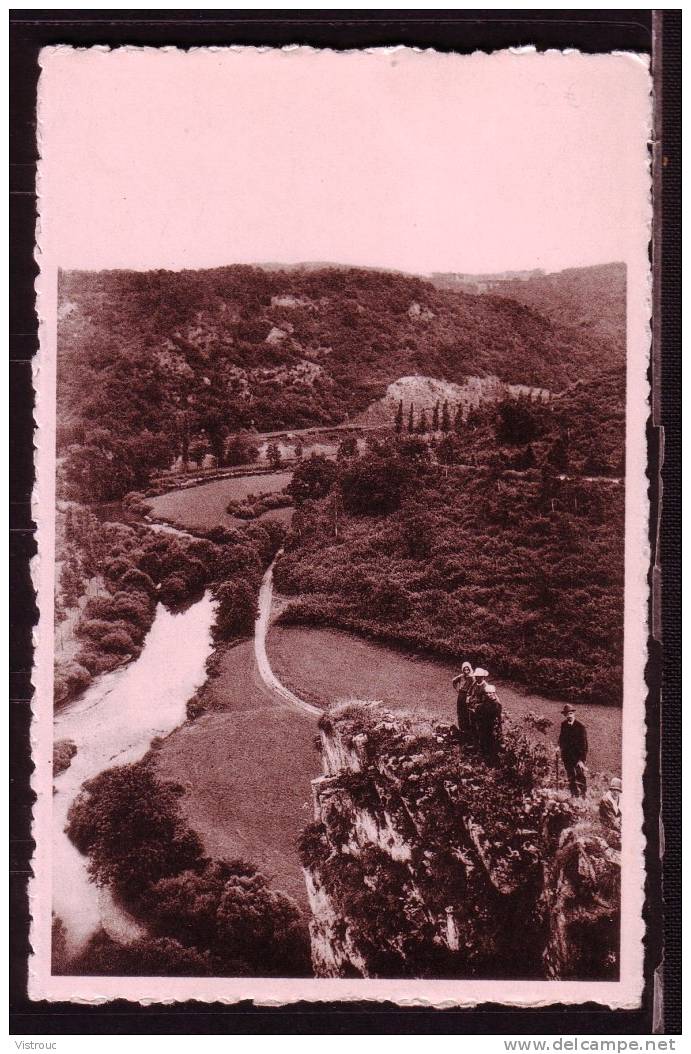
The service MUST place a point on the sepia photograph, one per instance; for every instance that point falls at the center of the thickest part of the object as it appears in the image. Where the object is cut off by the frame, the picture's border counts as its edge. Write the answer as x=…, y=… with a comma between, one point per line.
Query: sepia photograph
x=343, y=525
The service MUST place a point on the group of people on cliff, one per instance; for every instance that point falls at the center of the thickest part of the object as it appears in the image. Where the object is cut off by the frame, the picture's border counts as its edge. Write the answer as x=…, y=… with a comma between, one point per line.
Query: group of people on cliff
x=479, y=711
x=479, y=714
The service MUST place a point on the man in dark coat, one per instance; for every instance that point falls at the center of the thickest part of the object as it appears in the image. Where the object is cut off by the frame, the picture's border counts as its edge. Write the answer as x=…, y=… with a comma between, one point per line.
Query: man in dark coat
x=573, y=743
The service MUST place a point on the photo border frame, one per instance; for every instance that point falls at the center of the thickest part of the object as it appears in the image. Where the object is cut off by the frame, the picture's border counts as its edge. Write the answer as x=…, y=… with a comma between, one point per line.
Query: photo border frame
x=589, y=31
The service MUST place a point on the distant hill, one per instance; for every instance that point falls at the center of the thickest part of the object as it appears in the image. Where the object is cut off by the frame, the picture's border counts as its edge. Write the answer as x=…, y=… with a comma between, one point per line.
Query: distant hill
x=468, y=282
x=150, y=361
x=589, y=298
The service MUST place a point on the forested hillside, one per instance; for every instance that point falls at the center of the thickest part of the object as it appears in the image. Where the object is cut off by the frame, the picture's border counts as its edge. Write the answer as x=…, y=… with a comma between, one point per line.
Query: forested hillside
x=495, y=545
x=149, y=362
x=590, y=298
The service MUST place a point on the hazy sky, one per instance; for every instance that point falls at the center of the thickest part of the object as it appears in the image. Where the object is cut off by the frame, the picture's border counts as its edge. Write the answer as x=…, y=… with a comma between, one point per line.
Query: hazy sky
x=415, y=161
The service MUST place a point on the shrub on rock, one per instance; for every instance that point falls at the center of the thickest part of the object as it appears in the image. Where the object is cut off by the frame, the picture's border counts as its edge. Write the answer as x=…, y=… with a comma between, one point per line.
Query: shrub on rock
x=70, y=679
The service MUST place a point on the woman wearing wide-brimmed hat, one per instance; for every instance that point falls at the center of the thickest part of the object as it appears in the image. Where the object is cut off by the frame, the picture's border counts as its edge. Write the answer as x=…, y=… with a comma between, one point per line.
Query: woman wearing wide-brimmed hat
x=463, y=684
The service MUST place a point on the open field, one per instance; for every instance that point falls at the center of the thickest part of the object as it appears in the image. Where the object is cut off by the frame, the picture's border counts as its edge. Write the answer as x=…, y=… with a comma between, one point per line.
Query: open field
x=204, y=507
x=246, y=766
x=326, y=665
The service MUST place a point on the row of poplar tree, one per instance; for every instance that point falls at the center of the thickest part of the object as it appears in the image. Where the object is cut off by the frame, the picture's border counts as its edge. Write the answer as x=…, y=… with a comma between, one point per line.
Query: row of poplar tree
x=441, y=419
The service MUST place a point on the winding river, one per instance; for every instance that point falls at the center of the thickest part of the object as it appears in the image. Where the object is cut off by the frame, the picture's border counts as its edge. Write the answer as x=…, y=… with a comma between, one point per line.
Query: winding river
x=113, y=723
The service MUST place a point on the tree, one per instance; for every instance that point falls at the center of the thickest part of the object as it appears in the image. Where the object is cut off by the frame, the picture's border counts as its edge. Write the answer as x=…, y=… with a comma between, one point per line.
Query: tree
x=273, y=454
x=237, y=558
x=445, y=420
x=174, y=589
x=335, y=507
x=473, y=418
x=529, y=460
x=96, y=629
x=60, y=959
x=418, y=530
x=213, y=423
x=182, y=421
x=145, y=957
x=118, y=641
x=240, y=451
x=137, y=581
x=71, y=581
x=312, y=479
x=458, y=419
x=299, y=450
x=435, y=417
x=411, y=418
x=70, y=679
x=132, y=607
x=375, y=484
x=115, y=571
x=347, y=448
x=517, y=422
x=129, y=823
x=237, y=609
x=399, y=417
x=198, y=448
x=449, y=450
x=99, y=470
x=390, y=601
x=422, y=426
x=229, y=909
x=558, y=454
x=415, y=449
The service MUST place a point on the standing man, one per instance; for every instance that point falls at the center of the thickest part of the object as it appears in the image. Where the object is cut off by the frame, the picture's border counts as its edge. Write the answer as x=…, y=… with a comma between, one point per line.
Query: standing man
x=573, y=743
x=463, y=684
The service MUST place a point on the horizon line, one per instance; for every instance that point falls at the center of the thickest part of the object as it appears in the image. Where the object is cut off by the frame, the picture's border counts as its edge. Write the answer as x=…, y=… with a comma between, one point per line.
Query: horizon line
x=273, y=265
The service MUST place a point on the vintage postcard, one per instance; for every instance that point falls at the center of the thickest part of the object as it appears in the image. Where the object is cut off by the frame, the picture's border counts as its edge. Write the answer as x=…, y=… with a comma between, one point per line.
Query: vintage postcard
x=342, y=525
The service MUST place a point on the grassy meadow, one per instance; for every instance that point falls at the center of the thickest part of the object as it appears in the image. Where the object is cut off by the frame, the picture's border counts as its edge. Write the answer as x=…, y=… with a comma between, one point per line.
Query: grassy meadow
x=246, y=765
x=324, y=666
x=203, y=507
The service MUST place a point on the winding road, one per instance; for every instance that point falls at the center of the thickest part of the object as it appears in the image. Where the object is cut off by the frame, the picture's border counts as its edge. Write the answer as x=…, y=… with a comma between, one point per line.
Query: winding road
x=261, y=627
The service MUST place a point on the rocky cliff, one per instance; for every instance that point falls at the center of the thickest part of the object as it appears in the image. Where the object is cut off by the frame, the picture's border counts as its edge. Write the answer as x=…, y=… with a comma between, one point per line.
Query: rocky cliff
x=424, y=392
x=423, y=861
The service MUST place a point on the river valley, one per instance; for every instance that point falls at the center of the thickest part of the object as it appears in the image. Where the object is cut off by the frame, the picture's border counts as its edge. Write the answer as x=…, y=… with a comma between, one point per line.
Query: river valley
x=113, y=723
x=245, y=764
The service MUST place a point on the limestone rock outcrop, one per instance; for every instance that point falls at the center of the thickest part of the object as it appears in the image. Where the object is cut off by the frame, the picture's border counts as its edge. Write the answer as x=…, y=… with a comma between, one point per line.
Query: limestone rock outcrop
x=423, y=861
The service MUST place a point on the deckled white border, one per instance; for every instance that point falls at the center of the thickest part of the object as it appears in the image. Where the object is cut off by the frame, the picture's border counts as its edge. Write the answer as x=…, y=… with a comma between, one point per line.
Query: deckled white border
x=624, y=993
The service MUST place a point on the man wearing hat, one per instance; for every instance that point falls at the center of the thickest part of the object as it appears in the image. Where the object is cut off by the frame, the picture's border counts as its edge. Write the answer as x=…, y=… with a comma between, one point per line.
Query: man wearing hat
x=573, y=743
x=610, y=809
x=464, y=683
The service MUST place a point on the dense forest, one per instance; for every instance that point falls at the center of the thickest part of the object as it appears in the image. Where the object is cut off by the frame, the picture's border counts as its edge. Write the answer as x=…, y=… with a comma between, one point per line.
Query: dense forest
x=133, y=568
x=494, y=533
x=591, y=298
x=152, y=363
x=492, y=545
x=203, y=916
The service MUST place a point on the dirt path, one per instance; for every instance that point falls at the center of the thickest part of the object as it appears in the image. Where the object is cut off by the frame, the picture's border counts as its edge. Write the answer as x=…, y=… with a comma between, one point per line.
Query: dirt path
x=246, y=764
x=263, y=665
